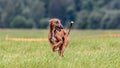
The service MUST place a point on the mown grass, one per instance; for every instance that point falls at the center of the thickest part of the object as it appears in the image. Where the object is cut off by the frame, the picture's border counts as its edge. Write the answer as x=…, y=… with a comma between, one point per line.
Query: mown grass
x=82, y=52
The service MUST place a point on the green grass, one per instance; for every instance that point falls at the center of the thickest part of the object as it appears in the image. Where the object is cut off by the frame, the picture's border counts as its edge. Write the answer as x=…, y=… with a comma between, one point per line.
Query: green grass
x=82, y=52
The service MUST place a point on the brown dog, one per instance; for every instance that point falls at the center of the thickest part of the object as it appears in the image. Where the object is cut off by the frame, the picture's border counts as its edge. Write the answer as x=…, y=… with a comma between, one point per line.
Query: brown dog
x=58, y=36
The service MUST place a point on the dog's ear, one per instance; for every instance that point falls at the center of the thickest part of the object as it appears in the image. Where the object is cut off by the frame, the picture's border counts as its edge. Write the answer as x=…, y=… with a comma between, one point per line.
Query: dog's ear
x=50, y=21
x=50, y=25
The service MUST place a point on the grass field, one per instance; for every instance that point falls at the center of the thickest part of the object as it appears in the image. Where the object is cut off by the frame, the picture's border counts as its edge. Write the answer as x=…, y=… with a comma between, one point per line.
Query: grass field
x=87, y=49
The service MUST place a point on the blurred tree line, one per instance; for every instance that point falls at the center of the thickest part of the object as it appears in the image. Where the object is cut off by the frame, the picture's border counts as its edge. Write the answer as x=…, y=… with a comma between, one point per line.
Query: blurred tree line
x=87, y=14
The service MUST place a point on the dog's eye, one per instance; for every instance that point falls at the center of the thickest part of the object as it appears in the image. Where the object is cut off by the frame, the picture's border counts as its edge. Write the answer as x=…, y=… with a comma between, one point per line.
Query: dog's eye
x=57, y=22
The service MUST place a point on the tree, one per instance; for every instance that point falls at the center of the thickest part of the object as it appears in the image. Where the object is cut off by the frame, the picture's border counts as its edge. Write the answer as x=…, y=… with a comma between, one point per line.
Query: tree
x=21, y=22
x=88, y=14
x=36, y=11
x=94, y=19
x=111, y=20
x=81, y=20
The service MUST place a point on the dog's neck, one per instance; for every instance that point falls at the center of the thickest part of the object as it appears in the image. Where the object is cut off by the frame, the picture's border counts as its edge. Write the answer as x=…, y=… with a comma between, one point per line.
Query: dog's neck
x=53, y=39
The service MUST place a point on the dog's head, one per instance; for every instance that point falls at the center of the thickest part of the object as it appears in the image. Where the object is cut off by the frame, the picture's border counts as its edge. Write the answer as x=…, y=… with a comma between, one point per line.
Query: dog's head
x=55, y=23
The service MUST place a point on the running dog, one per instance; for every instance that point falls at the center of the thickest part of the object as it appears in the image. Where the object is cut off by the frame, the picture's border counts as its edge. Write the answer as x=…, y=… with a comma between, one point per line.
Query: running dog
x=58, y=36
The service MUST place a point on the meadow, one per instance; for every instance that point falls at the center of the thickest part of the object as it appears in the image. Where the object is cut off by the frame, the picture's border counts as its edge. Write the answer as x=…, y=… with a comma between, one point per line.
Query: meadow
x=87, y=49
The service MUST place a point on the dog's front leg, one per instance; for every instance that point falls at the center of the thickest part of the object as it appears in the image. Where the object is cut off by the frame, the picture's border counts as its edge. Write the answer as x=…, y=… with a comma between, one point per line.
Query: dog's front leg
x=60, y=42
x=63, y=47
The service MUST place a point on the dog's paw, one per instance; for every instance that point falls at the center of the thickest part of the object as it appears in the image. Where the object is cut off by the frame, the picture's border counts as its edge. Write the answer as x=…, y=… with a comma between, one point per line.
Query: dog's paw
x=57, y=48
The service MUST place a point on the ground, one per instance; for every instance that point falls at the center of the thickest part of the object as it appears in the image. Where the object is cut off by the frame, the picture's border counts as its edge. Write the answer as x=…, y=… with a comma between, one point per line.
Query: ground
x=87, y=49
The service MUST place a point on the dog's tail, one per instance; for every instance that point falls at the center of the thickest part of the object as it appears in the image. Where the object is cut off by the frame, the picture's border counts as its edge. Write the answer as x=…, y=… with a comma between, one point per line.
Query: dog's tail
x=70, y=27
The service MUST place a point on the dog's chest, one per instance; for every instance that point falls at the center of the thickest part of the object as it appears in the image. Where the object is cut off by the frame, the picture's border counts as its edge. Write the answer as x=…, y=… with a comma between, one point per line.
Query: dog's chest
x=53, y=39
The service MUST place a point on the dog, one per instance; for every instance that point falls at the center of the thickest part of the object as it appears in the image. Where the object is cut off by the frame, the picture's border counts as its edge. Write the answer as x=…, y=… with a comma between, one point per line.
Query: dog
x=58, y=36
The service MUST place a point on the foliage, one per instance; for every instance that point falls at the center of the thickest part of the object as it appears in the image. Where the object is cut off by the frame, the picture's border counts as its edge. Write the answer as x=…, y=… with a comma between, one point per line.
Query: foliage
x=43, y=23
x=99, y=14
x=21, y=22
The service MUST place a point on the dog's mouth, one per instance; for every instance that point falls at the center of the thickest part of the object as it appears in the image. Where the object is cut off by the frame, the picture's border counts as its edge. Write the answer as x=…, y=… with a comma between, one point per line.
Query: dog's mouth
x=59, y=26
